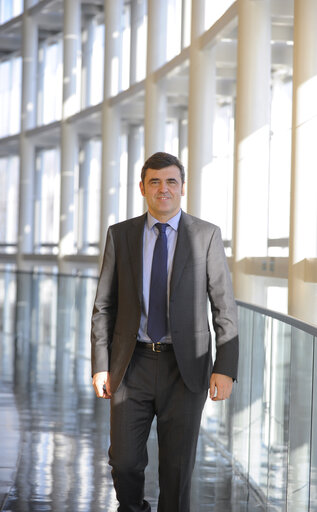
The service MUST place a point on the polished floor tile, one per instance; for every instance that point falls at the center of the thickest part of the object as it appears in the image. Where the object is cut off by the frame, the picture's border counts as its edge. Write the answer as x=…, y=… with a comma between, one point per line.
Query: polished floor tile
x=64, y=436
x=54, y=432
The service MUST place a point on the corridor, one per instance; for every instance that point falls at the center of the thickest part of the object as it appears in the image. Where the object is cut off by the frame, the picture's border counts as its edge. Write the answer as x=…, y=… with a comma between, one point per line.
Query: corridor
x=54, y=432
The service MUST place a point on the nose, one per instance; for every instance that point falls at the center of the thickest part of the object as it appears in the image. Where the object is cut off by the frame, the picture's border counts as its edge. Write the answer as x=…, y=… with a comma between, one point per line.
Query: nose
x=163, y=186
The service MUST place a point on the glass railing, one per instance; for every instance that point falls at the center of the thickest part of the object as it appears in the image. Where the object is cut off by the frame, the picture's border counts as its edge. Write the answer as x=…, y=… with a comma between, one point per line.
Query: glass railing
x=48, y=317
x=268, y=428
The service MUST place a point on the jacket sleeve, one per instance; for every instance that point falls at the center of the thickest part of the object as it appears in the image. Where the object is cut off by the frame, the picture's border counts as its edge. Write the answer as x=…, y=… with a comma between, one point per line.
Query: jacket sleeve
x=223, y=307
x=104, y=310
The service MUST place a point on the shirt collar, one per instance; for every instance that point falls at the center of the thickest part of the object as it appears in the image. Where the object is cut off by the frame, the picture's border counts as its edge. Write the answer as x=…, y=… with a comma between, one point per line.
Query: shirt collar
x=173, y=222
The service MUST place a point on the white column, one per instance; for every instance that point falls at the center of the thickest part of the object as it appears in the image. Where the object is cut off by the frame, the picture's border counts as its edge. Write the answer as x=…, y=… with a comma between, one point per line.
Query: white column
x=202, y=92
x=110, y=178
x=303, y=225
x=69, y=139
x=28, y=121
x=252, y=142
x=155, y=99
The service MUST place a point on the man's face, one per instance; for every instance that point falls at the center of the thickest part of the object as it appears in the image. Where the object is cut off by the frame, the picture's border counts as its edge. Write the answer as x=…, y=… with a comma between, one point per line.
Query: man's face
x=162, y=190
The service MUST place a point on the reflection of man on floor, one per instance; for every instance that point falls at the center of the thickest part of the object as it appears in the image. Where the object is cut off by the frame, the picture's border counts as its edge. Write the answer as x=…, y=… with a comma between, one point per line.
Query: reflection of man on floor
x=151, y=343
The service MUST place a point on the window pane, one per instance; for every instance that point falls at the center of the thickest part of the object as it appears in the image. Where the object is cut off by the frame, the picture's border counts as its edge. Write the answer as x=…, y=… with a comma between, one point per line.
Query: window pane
x=138, y=40
x=174, y=28
x=88, y=197
x=217, y=174
x=50, y=82
x=9, y=191
x=47, y=183
x=280, y=163
x=300, y=421
x=15, y=95
x=10, y=96
x=97, y=65
x=123, y=177
x=135, y=203
x=126, y=40
x=214, y=11
x=218, y=179
x=92, y=62
x=278, y=373
x=313, y=469
x=9, y=9
x=4, y=97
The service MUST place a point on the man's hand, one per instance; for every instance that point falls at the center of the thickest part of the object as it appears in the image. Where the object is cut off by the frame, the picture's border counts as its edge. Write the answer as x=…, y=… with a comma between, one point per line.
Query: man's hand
x=101, y=383
x=220, y=386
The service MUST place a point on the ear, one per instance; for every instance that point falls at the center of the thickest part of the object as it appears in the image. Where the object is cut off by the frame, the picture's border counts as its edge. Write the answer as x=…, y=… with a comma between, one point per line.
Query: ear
x=183, y=189
x=142, y=188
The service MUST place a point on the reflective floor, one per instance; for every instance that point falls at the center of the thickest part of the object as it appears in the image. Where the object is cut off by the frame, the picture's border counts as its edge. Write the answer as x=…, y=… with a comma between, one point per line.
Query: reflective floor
x=62, y=459
x=54, y=433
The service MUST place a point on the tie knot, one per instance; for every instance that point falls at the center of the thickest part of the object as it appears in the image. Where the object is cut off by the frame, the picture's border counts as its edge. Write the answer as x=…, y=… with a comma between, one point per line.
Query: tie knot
x=161, y=227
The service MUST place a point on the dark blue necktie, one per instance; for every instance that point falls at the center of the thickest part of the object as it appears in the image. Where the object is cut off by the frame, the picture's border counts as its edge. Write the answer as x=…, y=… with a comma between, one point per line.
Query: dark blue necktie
x=157, y=317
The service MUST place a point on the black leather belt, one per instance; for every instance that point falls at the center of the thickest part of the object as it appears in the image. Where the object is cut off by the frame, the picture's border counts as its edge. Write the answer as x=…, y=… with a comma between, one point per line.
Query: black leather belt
x=155, y=347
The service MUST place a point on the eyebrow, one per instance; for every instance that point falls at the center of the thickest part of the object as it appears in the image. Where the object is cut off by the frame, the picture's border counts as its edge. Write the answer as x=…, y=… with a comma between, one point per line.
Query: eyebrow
x=159, y=179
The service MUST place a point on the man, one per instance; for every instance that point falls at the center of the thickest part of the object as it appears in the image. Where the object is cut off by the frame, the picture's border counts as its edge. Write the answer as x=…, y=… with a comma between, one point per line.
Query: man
x=151, y=342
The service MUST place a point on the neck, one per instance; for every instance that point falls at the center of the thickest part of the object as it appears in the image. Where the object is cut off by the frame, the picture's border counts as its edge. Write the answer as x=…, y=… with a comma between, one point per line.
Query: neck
x=163, y=219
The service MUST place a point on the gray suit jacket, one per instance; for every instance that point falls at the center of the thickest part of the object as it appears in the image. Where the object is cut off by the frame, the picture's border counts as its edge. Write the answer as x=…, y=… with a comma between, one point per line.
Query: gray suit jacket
x=199, y=273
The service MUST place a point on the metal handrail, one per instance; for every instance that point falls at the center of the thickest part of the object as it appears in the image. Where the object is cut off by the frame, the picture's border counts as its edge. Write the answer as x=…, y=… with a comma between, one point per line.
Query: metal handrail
x=294, y=322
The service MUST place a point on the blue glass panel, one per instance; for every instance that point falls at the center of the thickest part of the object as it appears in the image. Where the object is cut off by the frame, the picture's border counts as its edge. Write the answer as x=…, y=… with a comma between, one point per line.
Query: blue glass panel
x=300, y=408
x=313, y=470
x=279, y=375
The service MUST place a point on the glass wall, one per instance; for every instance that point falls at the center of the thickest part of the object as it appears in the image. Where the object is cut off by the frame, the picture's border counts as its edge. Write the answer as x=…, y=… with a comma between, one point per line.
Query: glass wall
x=9, y=9
x=9, y=196
x=217, y=177
x=50, y=317
x=242, y=148
x=50, y=81
x=88, y=197
x=138, y=40
x=47, y=199
x=174, y=28
x=280, y=162
x=135, y=160
x=214, y=11
x=10, y=95
x=93, y=34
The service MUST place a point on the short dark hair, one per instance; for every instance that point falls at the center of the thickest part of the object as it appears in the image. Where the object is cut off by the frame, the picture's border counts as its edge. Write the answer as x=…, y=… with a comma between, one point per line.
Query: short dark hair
x=159, y=161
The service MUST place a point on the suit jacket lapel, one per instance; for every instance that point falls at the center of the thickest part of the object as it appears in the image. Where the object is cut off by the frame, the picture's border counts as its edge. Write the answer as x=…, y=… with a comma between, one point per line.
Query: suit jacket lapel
x=182, y=250
x=135, y=248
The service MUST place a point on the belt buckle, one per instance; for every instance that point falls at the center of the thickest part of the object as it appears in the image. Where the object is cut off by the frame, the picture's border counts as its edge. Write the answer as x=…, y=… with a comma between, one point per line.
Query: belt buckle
x=156, y=347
